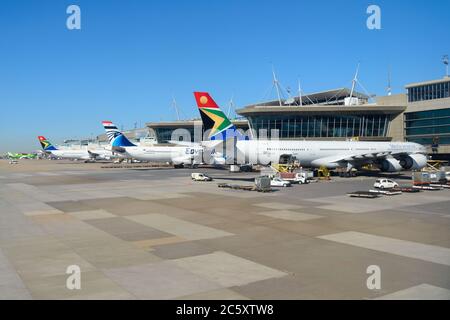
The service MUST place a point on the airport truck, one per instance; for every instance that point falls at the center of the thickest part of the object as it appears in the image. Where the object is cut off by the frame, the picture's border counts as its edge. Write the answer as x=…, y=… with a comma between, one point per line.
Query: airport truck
x=294, y=177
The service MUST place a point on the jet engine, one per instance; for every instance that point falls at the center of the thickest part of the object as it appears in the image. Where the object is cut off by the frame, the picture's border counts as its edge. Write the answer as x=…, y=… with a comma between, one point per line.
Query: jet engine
x=413, y=162
x=118, y=149
x=390, y=165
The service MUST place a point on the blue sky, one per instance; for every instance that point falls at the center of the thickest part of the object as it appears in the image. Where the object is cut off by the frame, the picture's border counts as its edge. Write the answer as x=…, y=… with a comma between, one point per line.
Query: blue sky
x=130, y=57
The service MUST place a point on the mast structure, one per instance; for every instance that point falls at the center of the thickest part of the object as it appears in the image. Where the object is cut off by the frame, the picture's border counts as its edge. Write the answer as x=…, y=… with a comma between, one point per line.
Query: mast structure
x=277, y=86
x=300, y=100
x=230, y=106
x=389, y=89
x=175, y=106
x=354, y=81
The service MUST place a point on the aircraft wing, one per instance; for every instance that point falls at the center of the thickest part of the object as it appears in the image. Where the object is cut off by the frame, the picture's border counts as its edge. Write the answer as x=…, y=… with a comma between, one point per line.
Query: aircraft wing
x=93, y=154
x=360, y=157
x=356, y=157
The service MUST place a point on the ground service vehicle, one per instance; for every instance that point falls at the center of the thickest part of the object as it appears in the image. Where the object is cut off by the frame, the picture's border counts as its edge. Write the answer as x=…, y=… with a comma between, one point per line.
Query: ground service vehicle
x=200, y=177
x=277, y=182
x=294, y=177
x=385, y=184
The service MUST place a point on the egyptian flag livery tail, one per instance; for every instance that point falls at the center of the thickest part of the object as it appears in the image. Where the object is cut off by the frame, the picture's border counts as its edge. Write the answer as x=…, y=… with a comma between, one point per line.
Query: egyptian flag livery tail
x=115, y=137
x=45, y=144
x=215, y=120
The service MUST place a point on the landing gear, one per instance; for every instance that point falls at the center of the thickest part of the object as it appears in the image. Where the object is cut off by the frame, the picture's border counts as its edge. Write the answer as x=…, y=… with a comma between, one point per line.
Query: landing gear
x=323, y=173
x=347, y=174
x=178, y=166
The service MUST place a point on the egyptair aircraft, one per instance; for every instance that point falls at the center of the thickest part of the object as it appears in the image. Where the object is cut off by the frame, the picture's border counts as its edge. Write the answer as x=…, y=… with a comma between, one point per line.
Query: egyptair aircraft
x=176, y=155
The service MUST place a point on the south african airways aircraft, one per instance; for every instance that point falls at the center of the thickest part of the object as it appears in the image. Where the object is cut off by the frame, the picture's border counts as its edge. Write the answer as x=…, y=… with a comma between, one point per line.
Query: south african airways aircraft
x=388, y=156
x=79, y=154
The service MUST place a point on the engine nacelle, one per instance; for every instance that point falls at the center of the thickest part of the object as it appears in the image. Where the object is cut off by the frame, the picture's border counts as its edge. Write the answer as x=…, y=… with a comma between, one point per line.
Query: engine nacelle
x=390, y=165
x=118, y=149
x=181, y=160
x=414, y=162
x=324, y=163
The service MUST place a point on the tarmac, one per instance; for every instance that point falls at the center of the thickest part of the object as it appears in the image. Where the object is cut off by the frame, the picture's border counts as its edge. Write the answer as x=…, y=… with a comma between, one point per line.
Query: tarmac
x=149, y=233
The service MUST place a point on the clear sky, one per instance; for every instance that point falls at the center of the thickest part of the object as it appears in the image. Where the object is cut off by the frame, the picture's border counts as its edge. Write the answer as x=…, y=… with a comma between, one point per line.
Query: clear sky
x=130, y=57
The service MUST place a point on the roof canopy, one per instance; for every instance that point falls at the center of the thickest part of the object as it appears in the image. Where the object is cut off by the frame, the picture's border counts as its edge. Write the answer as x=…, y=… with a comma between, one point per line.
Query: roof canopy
x=329, y=97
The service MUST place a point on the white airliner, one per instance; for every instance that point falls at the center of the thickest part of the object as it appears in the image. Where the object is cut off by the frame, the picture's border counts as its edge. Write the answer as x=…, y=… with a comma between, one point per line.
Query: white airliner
x=388, y=156
x=176, y=155
x=75, y=154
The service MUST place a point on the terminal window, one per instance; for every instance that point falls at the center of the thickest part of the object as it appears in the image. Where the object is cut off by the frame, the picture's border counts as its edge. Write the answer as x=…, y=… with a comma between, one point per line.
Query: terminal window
x=291, y=127
x=424, y=126
x=429, y=92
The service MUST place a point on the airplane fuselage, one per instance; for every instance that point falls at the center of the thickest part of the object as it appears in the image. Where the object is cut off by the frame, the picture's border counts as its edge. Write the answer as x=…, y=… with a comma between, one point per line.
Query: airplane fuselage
x=83, y=154
x=176, y=155
x=71, y=154
x=322, y=153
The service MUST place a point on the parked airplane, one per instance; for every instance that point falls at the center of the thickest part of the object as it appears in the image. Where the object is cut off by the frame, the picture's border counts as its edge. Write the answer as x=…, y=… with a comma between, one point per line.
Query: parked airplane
x=17, y=156
x=82, y=154
x=388, y=156
x=176, y=155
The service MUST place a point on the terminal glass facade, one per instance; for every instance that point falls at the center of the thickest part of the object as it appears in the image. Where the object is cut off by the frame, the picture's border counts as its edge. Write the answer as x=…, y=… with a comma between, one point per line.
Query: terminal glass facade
x=321, y=126
x=164, y=135
x=425, y=127
x=433, y=91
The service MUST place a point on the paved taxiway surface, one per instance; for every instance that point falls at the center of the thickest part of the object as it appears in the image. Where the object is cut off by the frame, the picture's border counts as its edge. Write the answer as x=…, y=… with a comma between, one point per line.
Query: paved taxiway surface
x=155, y=234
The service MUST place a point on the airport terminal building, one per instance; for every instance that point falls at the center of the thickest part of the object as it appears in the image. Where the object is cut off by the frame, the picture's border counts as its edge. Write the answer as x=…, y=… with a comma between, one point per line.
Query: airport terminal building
x=328, y=115
x=318, y=116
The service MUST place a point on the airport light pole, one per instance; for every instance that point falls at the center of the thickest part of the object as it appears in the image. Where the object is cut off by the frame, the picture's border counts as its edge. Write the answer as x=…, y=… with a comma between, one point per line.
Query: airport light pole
x=389, y=88
x=445, y=61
